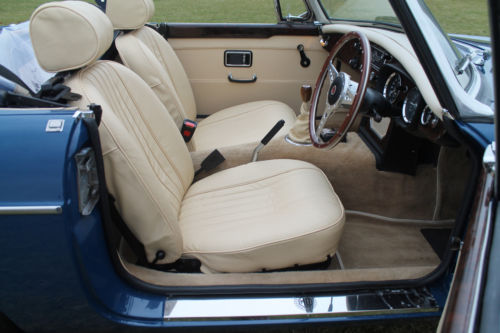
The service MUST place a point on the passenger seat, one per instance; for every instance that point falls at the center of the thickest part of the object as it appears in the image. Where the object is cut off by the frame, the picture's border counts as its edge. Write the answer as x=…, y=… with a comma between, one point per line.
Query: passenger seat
x=148, y=54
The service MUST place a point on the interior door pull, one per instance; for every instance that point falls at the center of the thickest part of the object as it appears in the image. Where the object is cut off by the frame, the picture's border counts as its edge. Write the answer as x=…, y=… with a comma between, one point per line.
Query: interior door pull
x=231, y=79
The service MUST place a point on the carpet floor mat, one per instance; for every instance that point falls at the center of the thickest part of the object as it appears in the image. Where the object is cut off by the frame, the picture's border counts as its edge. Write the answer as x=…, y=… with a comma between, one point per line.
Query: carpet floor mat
x=371, y=243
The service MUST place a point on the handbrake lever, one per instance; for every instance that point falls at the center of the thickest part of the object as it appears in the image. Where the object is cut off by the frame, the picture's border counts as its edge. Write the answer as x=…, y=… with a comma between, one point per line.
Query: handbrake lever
x=276, y=128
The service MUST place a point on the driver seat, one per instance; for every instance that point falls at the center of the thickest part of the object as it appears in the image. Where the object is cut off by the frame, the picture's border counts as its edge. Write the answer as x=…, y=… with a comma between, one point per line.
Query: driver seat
x=148, y=54
x=262, y=215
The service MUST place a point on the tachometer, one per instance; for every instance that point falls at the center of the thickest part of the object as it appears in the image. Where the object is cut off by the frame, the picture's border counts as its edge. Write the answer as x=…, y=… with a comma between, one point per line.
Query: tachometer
x=393, y=87
x=411, y=105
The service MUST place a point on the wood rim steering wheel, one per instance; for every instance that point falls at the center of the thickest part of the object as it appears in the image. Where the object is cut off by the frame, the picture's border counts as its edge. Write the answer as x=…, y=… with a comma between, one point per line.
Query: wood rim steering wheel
x=343, y=93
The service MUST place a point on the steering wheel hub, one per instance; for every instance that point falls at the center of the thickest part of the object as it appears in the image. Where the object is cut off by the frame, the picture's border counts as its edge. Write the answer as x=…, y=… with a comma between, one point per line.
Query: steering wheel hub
x=336, y=90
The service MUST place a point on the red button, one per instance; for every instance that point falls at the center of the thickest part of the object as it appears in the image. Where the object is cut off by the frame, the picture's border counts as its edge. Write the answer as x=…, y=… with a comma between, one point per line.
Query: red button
x=186, y=133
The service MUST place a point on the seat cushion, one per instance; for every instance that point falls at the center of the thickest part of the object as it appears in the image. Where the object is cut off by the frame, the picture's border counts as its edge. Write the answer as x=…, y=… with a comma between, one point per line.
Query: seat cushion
x=263, y=215
x=241, y=124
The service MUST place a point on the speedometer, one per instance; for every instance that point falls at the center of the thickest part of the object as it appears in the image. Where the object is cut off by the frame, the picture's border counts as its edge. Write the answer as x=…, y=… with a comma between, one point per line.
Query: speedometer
x=393, y=87
x=411, y=105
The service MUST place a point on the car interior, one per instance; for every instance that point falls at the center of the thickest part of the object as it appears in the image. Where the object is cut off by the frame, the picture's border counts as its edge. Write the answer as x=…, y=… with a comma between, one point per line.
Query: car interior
x=374, y=198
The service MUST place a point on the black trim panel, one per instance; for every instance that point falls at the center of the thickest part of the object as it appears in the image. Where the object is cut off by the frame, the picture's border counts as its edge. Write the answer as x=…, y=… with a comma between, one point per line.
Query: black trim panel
x=235, y=30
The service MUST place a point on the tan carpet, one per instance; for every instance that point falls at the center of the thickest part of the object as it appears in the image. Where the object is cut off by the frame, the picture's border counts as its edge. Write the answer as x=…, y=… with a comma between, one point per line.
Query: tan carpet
x=370, y=243
x=350, y=167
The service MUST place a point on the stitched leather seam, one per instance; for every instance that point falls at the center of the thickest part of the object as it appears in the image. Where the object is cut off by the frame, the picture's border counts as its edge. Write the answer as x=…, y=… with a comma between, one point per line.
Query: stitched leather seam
x=151, y=132
x=278, y=242
x=210, y=122
x=104, y=153
x=147, y=191
x=126, y=116
x=154, y=81
x=257, y=181
x=152, y=36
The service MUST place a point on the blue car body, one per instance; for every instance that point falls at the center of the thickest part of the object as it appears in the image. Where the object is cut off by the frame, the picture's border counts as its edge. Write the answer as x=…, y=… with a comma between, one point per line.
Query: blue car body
x=57, y=259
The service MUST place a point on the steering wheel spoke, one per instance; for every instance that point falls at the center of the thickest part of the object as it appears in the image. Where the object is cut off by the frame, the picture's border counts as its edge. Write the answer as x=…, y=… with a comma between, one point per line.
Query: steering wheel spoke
x=329, y=110
x=332, y=72
x=350, y=94
x=343, y=94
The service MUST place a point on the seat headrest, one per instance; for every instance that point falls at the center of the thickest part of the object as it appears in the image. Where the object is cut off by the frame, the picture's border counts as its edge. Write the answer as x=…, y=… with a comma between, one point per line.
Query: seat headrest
x=129, y=14
x=69, y=35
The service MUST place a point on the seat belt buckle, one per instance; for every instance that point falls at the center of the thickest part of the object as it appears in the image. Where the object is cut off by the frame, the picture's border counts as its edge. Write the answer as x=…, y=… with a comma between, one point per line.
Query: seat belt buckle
x=210, y=162
x=188, y=128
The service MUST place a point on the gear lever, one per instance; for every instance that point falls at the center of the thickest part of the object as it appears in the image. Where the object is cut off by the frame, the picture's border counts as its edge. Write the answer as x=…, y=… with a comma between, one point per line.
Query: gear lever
x=305, y=93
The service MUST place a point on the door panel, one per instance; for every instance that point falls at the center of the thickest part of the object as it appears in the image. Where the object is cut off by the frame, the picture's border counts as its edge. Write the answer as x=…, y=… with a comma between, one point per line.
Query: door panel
x=276, y=63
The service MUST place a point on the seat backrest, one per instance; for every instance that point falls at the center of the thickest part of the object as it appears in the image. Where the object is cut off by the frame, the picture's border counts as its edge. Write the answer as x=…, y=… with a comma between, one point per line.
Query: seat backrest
x=148, y=167
x=148, y=54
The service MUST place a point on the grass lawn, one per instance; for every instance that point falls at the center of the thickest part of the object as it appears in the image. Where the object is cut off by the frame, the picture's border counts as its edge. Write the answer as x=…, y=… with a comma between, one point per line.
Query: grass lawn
x=15, y=11
x=468, y=17
x=456, y=16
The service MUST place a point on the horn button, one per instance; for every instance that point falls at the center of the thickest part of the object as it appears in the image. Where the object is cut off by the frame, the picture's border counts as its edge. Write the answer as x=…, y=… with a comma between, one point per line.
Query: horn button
x=336, y=90
x=341, y=92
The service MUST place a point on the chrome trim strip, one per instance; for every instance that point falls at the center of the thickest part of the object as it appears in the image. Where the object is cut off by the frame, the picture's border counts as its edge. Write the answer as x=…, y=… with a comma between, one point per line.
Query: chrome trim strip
x=375, y=303
x=441, y=223
x=79, y=114
x=30, y=210
x=477, y=286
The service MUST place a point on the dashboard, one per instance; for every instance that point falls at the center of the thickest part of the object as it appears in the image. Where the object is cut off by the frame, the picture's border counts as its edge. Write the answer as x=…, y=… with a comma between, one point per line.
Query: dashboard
x=409, y=130
x=409, y=110
x=395, y=84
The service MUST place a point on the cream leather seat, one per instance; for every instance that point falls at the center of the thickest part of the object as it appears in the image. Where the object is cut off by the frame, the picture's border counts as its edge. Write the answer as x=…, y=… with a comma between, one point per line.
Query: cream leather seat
x=262, y=215
x=148, y=54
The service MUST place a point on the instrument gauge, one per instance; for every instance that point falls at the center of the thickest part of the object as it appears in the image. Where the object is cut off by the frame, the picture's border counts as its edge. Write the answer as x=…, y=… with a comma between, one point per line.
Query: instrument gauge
x=411, y=105
x=393, y=87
